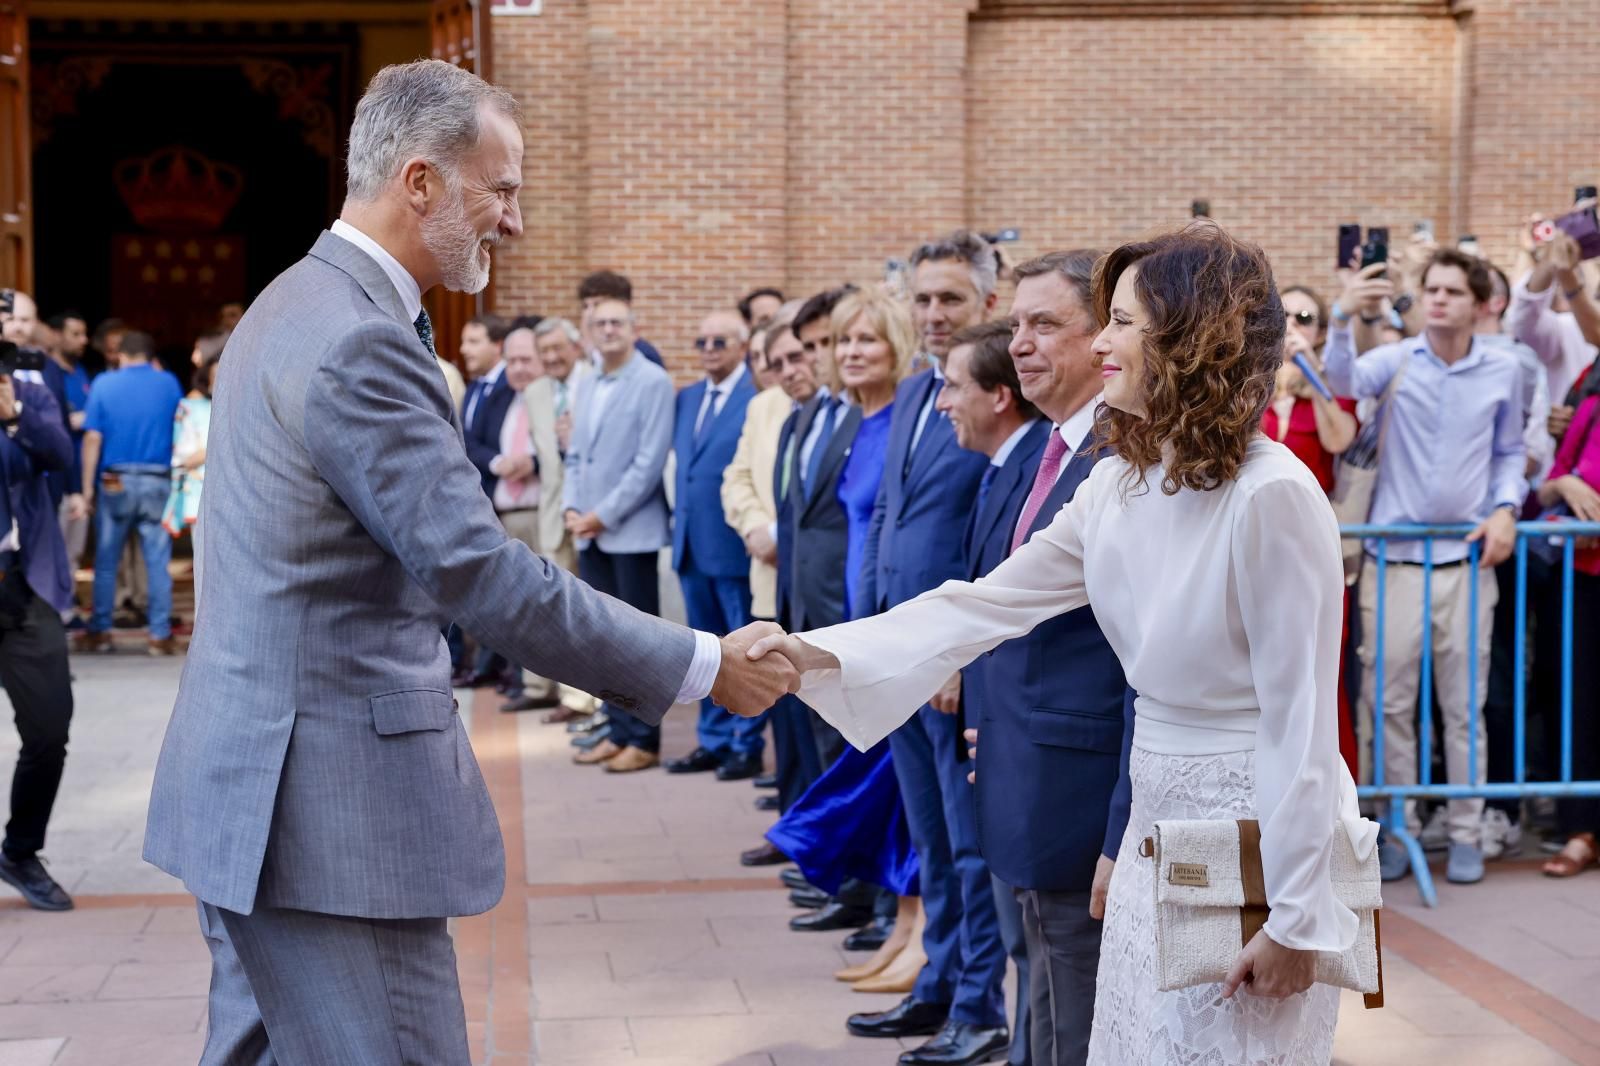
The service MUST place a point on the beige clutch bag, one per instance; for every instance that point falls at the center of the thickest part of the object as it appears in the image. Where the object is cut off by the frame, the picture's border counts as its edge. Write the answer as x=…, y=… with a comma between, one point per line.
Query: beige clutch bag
x=1211, y=898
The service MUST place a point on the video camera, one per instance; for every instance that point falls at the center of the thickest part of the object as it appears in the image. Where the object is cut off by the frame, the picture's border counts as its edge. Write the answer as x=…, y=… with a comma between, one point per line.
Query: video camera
x=13, y=359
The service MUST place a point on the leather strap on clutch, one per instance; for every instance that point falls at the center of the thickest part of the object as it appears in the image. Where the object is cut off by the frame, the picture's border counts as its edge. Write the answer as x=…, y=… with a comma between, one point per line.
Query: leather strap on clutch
x=1253, y=915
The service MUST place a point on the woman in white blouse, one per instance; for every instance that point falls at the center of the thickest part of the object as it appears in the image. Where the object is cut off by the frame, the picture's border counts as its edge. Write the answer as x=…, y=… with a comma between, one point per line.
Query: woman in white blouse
x=1211, y=559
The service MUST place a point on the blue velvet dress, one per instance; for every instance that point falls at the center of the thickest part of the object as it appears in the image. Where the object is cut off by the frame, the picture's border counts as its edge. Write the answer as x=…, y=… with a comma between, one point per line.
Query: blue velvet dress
x=851, y=823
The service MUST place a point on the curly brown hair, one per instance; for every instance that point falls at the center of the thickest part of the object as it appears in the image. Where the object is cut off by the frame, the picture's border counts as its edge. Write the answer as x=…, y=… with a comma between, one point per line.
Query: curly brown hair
x=1213, y=345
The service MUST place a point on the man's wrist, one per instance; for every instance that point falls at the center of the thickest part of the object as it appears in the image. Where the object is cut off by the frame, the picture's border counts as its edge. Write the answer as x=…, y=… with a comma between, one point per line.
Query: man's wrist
x=1338, y=313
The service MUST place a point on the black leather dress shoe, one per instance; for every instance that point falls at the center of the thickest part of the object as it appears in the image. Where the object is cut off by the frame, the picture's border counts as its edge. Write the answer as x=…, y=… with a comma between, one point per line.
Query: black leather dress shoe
x=793, y=878
x=909, y=1018
x=698, y=761
x=586, y=741
x=961, y=1044
x=765, y=855
x=29, y=877
x=767, y=803
x=870, y=937
x=739, y=767
x=835, y=915
x=765, y=781
x=812, y=899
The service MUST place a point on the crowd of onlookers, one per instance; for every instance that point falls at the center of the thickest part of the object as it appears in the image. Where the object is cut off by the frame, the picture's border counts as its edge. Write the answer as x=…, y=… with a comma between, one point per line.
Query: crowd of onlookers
x=845, y=451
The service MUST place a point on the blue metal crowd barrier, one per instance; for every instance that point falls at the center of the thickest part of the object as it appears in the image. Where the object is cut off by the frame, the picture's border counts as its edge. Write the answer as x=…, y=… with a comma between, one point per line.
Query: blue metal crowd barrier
x=1394, y=817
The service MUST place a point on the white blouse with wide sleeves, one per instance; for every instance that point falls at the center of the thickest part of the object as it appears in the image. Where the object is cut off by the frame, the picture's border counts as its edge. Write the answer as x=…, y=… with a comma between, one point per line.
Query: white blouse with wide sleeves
x=1225, y=609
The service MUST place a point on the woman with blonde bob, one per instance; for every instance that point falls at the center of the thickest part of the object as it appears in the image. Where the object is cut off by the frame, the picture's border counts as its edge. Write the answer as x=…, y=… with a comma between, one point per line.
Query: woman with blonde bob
x=1211, y=558
x=851, y=825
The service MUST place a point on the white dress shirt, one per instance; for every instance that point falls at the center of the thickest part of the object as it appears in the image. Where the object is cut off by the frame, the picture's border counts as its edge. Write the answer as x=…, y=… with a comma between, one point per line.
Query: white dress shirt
x=1004, y=452
x=707, y=659
x=404, y=283
x=477, y=394
x=1076, y=429
x=1224, y=608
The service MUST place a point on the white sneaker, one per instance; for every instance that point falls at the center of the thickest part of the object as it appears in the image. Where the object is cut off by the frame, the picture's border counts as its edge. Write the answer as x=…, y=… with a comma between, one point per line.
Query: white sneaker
x=1501, y=836
x=1435, y=835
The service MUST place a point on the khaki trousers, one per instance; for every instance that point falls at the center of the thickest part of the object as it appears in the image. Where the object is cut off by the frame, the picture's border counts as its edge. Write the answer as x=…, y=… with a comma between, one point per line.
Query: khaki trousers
x=1405, y=614
x=524, y=526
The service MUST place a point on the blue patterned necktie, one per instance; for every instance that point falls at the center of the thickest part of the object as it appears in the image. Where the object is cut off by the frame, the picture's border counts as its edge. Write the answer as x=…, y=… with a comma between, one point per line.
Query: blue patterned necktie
x=424, y=326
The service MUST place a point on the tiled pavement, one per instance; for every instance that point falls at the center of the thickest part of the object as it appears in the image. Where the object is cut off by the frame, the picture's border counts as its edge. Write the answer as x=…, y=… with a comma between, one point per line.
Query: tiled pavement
x=630, y=934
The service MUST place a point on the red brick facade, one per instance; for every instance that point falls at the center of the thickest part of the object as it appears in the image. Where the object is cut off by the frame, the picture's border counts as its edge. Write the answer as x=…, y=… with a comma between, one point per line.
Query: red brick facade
x=706, y=148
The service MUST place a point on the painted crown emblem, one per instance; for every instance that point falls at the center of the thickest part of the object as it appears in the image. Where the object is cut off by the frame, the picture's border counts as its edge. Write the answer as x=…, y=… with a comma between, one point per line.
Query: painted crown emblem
x=178, y=188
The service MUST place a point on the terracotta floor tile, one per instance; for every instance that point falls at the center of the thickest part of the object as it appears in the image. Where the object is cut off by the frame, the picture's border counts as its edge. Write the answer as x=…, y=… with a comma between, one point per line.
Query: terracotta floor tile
x=134, y=1017
x=174, y=920
x=132, y=1049
x=35, y=949
x=598, y=1039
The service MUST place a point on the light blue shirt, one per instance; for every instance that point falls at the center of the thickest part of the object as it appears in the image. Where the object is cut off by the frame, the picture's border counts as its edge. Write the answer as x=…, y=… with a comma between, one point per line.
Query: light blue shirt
x=1453, y=450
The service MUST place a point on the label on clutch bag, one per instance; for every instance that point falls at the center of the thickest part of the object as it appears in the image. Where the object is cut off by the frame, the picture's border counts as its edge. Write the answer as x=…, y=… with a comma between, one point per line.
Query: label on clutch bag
x=1188, y=873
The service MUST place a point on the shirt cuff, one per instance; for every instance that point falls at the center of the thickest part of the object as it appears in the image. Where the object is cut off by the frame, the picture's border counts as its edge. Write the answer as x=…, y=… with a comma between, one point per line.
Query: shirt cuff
x=772, y=531
x=703, y=668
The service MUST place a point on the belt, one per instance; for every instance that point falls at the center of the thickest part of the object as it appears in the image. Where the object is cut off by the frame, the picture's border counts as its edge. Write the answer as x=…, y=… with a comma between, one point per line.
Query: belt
x=517, y=510
x=149, y=469
x=1436, y=566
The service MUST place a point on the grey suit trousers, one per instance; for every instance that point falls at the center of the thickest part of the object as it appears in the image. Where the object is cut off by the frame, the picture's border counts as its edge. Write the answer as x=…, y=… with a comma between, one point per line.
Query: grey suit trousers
x=294, y=988
x=1063, y=961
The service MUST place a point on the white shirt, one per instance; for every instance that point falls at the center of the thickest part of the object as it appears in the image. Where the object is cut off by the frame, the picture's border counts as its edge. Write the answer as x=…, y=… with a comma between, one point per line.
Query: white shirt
x=404, y=283
x=716, y=395
x=1556, y=339
x=477, y=394
x=1004, y=452
x=1224, y=608
x=929, y=408
x=1075, y=430
x=813, y=439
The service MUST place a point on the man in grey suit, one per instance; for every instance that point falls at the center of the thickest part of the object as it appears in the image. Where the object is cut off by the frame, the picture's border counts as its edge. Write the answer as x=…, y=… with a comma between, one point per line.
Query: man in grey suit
x=316, y=790
x=615, y=502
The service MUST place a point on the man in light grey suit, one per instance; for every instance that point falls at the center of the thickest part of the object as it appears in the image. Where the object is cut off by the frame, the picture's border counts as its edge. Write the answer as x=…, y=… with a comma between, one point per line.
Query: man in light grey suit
x=616, y=503
x=316, y=790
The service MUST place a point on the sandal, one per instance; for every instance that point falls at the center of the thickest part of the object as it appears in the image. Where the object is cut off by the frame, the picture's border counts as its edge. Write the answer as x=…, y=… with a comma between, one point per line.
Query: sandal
x=1579, y=854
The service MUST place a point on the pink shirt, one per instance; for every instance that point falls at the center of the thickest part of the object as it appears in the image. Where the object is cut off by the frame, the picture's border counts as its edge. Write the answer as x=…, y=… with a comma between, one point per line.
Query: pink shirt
x=1580, y=449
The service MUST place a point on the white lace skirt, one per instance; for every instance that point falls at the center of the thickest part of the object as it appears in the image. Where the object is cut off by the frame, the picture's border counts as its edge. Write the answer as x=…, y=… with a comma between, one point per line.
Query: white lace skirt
x=1136, y=1023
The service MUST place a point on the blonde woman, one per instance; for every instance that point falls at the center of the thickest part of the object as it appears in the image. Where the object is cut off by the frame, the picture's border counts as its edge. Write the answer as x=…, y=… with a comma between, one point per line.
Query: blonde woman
x=850, y=824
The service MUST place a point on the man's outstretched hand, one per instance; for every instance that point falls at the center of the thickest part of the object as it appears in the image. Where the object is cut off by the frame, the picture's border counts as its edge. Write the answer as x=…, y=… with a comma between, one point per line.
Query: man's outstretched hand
x=747, y=686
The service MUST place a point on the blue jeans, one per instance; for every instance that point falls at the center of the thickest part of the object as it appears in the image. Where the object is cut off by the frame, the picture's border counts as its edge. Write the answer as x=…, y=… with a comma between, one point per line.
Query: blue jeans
x=135, y=507
x=719, y=605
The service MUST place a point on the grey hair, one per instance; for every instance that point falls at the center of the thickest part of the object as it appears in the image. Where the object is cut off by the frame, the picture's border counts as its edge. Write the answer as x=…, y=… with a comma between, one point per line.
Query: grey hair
x=422, y=110
x=970, y=249
x=548, y=326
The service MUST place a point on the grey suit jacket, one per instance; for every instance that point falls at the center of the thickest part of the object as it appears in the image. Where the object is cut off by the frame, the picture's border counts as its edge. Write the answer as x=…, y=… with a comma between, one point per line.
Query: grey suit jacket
x=540, y=400
x=315, y=759
x=614, y=463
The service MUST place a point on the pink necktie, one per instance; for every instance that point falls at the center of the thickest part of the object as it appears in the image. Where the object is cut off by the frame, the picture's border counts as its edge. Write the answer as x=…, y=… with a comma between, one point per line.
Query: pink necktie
x=521, y=442
x=1043, y=481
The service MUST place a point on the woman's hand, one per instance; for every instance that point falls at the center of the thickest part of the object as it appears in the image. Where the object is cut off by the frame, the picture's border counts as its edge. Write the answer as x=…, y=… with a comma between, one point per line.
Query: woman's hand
x=1270, y=969
x=803, y=655
x=1579, y=496
x=1103, y=868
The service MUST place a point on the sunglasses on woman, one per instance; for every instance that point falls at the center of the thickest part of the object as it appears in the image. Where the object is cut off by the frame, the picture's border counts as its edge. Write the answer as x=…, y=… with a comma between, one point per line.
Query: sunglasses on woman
x=1305, y=318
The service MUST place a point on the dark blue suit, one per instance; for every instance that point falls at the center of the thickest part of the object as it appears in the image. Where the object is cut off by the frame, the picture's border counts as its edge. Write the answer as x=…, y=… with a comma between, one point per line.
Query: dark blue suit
x=707, y=553
x=33, y=644
x=1055, y=720
x=481, y=432
x=915, y=544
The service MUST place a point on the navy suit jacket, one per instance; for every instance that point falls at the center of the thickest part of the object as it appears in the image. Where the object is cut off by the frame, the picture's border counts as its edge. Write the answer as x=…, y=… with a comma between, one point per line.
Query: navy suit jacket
x=1054, y=715
x=702, y=540
x=915, y=541
x=41, y=446
x=820, y=535
x=785, y=518
x=482, y=433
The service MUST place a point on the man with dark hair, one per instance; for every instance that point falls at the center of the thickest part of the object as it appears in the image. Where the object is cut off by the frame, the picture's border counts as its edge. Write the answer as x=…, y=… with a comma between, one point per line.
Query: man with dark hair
x=760, y=306
x=1464, y=468
x=74, y=331
x=813, y=328
x=1051, y=877
x=127, y=470
x=608, y=285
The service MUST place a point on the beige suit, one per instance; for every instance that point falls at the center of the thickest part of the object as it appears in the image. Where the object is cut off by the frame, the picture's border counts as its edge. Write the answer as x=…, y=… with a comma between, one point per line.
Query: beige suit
x=540, y=397
x=454, y=382
x=747, y=496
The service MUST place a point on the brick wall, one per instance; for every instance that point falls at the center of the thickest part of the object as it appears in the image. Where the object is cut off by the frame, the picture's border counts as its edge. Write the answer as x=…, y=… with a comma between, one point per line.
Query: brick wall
x=1094, y=131
x=706, y=148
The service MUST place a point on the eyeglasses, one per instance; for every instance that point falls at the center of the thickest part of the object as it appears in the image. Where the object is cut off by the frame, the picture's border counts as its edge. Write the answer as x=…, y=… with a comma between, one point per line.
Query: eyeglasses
x=710, y=344
x=609, y=323
x=1305, y=318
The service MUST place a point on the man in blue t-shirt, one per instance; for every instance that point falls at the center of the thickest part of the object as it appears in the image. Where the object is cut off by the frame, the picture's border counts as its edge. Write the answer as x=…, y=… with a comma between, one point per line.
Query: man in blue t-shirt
x=127, y=471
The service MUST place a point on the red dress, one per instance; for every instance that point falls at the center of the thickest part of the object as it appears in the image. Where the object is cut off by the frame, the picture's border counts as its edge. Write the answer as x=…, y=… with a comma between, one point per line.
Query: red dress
x=1303, y=441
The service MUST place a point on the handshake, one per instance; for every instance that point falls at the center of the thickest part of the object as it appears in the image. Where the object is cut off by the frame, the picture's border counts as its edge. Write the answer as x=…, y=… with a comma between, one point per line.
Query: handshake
x=760, y=664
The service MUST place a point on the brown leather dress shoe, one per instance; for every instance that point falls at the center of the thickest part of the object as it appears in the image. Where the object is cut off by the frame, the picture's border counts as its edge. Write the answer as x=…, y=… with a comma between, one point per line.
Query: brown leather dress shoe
x=95, y=642
x=630, y=759
x=164, y=646
x=561, y=715
x=597, y=754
